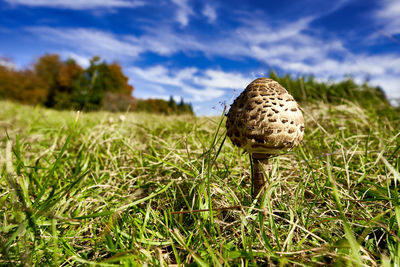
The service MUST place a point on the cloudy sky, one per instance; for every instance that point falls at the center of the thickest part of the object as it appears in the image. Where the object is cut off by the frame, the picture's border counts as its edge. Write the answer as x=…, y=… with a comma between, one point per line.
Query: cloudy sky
x=208, y=51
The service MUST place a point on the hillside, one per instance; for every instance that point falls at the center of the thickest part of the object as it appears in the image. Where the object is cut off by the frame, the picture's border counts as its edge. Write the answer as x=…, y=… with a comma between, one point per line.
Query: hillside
x=131, y=188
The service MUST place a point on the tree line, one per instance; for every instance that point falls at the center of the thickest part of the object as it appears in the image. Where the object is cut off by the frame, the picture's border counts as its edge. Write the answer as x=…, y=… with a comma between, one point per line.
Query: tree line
x=64, y=84
x=308, y=89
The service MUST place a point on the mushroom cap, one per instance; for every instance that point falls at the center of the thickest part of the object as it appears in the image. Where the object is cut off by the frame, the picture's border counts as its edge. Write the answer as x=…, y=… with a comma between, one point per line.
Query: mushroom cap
x=265, y=119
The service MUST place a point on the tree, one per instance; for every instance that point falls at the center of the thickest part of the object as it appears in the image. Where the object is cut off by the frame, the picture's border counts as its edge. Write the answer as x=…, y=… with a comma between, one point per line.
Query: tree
x=70, y=83
x=102, y=78
x=47, y=69
x=172, y=105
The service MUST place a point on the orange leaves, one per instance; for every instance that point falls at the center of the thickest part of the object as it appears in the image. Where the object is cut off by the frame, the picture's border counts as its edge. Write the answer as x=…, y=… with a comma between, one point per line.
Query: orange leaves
x=23, y=86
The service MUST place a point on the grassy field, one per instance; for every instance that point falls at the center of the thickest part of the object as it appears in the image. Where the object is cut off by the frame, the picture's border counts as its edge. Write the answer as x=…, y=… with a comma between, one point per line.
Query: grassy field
x=130, y=189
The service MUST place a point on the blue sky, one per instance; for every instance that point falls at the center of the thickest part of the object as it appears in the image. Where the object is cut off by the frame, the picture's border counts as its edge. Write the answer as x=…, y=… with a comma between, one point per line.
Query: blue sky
x=208, y=51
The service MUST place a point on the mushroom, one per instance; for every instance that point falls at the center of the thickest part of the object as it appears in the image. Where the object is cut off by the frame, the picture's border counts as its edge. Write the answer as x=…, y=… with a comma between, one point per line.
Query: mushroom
x=265, y=121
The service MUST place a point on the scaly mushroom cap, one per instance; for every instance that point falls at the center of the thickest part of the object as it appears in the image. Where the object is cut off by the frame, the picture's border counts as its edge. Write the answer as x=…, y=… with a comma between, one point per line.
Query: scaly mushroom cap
x=265, y=119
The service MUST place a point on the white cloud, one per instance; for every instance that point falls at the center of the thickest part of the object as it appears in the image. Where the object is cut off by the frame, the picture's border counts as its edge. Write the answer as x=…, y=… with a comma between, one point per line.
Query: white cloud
x=81, y=60
x=204, y=94
x=388, y=16
x=390, y=83
x=221, y=79
x=165, y=41
x=257, y=40
x=8, y=64
x=94, y=42
x=181, y=78
x=158, y=88
x=289, y=43
x=258, y=32
x=198, y=85
x=161, y=75
x=78, y=4
x=162, y=41
x=357, y=65
x=183, y=12
x=210, y=13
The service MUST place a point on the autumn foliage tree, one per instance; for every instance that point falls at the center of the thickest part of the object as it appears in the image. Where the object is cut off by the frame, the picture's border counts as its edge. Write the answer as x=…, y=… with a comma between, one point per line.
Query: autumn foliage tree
x=70, y=81
x=22, y=86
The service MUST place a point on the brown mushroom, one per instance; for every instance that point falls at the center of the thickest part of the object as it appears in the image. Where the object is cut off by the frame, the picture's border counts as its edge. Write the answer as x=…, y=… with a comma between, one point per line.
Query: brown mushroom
x=265, y=121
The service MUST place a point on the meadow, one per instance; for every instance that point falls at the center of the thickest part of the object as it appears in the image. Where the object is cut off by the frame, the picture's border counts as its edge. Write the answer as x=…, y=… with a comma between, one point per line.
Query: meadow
x=135, y=189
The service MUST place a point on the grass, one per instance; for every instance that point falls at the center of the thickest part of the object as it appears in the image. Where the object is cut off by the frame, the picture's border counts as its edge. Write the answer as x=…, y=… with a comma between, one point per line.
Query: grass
x=131, y=189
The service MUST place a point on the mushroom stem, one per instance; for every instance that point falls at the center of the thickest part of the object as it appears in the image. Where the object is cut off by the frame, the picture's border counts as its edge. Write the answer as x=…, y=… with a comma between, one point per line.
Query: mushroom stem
x=260, y=162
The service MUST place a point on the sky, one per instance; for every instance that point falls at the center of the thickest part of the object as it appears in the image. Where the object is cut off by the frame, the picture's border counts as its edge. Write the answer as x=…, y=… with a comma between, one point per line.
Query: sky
x=207, y=51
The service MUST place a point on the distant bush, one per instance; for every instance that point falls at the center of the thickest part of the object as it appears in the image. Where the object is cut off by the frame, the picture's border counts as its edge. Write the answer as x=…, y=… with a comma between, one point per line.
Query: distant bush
x=118, y=102
x=163, y=107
